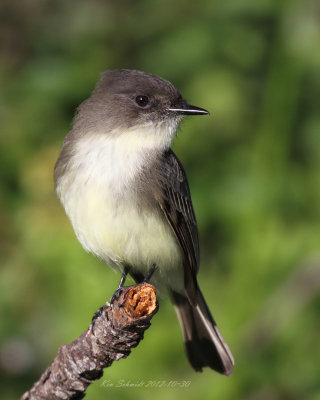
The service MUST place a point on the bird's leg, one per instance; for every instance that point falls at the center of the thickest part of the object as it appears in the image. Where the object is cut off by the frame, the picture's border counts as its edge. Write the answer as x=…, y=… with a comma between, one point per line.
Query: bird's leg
x=121, y=283
x=123, y=277
x=150, y=273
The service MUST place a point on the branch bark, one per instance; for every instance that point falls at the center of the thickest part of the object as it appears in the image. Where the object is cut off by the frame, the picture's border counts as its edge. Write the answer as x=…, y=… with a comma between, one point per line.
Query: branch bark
x=115, y=329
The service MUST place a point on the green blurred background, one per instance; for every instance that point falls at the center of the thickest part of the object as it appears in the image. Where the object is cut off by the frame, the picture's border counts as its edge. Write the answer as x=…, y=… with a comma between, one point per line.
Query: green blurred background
x=254, y=173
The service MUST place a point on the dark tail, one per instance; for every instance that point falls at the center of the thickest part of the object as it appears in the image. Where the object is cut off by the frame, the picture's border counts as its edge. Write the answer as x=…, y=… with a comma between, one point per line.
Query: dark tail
x=205, y=346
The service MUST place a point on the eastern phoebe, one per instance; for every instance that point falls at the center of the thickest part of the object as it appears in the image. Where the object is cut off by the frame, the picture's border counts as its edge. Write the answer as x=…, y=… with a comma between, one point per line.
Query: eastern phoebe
x=128, y=199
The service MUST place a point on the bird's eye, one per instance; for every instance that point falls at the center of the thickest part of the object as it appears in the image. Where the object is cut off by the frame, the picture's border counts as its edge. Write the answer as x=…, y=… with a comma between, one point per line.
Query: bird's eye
x=142, y=101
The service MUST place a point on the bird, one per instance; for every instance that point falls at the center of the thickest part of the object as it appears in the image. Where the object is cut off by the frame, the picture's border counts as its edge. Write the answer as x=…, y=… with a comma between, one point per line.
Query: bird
x=127, y=196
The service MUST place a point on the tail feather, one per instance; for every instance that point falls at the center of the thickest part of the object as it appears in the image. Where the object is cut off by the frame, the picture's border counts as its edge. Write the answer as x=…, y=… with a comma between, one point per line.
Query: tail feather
x=204, y=343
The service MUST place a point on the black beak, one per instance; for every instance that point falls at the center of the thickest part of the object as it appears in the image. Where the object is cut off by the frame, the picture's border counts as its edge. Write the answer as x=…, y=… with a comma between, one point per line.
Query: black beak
x=187, y=109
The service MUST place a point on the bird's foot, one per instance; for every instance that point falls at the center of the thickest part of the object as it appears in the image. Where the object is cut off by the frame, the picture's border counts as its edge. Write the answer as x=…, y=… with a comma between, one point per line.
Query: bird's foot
x=116, y=294
x=96, y=315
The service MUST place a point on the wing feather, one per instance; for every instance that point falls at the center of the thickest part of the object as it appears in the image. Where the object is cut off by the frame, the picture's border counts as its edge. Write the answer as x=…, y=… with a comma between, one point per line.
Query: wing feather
x=175, y=202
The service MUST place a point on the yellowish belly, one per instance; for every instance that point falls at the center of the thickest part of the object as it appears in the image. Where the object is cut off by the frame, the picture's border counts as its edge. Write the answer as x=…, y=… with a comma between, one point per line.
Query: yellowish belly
x=121, y=234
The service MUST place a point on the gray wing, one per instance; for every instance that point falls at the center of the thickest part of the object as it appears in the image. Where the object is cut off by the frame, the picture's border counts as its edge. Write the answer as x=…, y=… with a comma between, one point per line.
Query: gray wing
x=175, y=202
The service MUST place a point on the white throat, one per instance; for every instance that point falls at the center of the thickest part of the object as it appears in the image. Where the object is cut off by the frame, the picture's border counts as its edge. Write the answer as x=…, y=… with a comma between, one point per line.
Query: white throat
x=115, y=159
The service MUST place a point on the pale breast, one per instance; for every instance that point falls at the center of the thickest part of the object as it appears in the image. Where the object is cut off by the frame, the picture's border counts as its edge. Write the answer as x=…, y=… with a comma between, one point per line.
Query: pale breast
x=106, y=215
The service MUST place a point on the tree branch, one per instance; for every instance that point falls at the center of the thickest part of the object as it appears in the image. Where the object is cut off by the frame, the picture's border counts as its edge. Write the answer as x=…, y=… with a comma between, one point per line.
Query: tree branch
x=115, y=329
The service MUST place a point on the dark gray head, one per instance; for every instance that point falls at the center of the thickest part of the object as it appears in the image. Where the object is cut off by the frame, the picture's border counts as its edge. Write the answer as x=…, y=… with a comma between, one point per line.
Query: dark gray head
x=124, y=99
x=130, y=110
